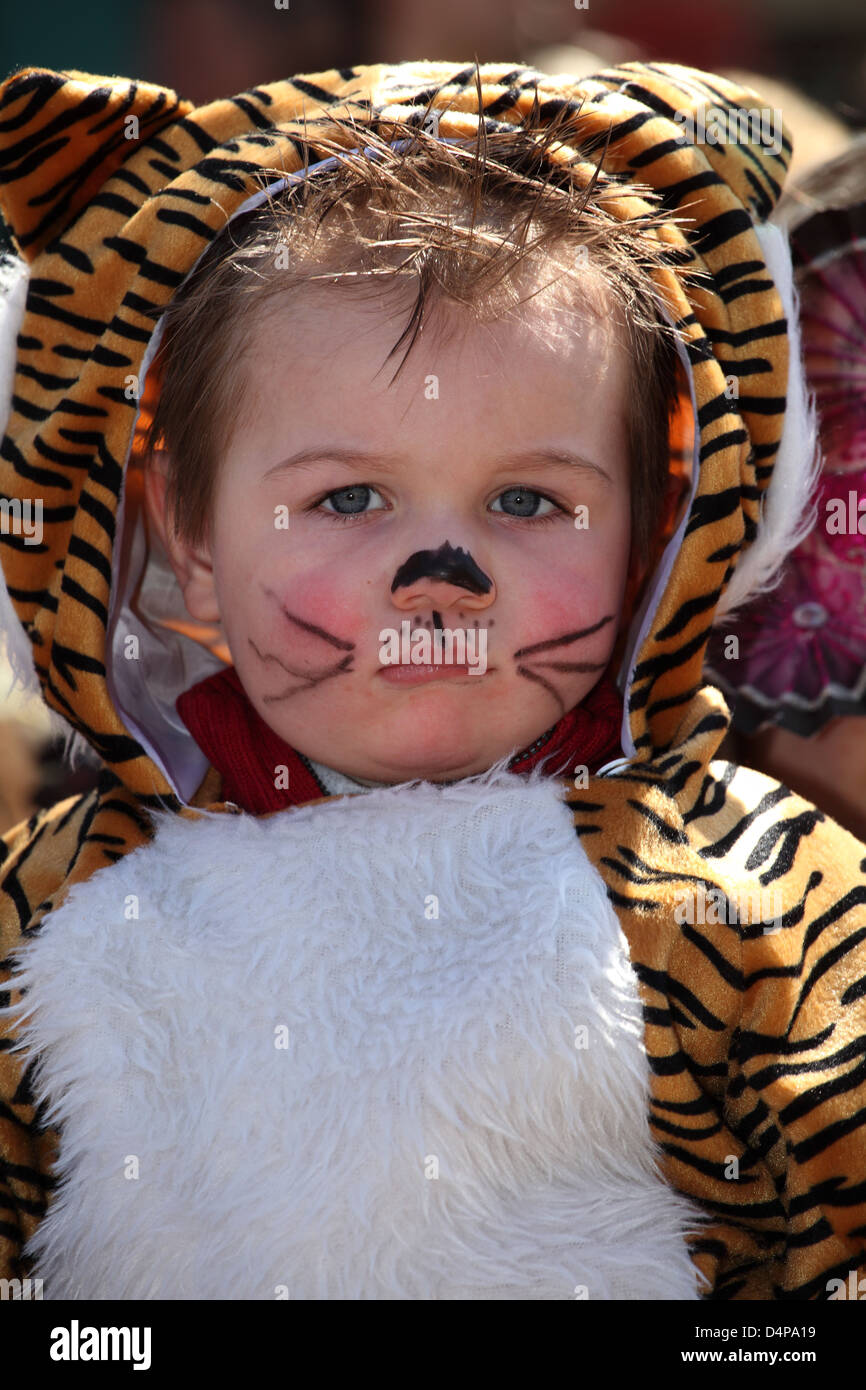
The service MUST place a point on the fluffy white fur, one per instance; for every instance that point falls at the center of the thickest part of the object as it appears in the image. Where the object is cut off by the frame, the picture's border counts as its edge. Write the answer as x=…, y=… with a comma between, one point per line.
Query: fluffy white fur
x=416, y=1041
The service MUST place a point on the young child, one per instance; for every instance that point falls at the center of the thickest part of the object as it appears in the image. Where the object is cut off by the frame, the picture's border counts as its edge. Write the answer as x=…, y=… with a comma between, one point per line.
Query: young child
x=409, y=946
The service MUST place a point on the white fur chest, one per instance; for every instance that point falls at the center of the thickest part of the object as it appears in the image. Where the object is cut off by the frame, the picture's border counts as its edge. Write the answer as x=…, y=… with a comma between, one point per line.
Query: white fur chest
x=385, y=1048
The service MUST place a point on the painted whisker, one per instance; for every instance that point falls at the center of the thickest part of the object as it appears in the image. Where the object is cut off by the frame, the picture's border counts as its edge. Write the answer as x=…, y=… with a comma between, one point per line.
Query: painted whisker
x=566, y=639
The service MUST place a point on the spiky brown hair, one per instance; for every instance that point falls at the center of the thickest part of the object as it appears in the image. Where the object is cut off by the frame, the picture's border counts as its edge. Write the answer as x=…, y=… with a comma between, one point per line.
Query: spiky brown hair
x=470, y=222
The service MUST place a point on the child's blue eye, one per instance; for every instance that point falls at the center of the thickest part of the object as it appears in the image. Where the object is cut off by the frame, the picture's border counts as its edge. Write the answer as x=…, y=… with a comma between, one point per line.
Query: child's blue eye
x=524, y=501
x=350, y=501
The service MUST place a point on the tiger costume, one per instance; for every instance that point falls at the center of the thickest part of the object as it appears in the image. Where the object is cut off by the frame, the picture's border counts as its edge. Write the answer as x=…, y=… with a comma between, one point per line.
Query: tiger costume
x=737, y=1056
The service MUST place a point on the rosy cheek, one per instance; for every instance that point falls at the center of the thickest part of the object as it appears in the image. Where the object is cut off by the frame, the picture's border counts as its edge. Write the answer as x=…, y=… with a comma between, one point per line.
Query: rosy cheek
x=322, y=602
x=553, y=611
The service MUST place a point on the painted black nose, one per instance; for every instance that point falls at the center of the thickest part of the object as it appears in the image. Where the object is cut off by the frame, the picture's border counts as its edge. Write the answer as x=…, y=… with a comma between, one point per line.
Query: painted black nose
x=448, y=565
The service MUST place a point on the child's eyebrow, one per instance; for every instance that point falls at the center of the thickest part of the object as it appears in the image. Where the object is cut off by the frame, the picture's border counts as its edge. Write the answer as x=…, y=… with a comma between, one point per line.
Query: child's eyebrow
x=392, y=463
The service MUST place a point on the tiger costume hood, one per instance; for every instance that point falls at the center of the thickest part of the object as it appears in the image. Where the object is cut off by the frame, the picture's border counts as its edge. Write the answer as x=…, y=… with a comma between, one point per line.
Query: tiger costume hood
x=752, y=1041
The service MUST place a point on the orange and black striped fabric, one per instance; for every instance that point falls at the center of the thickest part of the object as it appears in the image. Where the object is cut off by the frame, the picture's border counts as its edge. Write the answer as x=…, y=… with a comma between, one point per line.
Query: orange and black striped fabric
x=112, y=189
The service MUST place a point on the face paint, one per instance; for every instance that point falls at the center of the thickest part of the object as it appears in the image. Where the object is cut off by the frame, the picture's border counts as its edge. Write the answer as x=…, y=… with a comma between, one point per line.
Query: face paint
x=564, y=666
x=308, y=679
x=448, y=565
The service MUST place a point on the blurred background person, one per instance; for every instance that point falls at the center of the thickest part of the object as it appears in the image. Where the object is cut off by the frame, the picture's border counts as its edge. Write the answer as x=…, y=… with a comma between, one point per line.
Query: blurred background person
x=797, y=688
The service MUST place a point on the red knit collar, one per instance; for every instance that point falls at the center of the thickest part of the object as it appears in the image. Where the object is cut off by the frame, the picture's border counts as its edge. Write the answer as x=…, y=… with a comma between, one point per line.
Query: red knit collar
x=261, y=773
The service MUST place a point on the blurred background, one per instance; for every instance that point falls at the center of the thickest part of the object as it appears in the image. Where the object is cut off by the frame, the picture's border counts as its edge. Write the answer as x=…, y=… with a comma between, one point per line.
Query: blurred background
x=806, y=58
x=210, y=48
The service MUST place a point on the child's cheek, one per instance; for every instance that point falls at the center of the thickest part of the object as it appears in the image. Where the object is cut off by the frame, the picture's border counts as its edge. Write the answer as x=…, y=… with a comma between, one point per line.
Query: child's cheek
x=556, y=608
x=325, y=601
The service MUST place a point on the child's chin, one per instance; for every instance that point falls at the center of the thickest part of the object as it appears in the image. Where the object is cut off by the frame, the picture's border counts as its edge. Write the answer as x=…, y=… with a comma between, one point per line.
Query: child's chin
x=445, y=765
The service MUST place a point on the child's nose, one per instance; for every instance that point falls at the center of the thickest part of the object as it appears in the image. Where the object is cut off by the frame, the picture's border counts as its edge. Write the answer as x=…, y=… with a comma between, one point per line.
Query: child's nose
x=445, y=578
x=439, y=594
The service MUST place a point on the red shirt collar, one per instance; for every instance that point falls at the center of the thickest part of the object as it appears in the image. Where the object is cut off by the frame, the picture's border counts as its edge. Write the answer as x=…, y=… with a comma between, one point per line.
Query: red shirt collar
x=261, y=773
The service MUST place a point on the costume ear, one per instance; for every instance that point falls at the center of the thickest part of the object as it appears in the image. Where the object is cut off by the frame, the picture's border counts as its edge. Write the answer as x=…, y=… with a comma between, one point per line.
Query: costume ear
x=743, y=139
x=62, y=135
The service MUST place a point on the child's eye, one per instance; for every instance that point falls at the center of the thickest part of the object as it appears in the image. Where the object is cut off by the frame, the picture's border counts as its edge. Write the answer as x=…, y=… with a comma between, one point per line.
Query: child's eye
x=350, y=501
x=524, y=501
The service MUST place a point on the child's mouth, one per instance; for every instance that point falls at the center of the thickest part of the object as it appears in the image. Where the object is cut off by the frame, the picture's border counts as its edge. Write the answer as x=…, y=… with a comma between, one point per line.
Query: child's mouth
x=418, y=675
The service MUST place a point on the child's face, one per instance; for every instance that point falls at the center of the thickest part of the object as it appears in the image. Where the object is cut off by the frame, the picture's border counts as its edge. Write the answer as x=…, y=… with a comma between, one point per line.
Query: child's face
x=452, y=463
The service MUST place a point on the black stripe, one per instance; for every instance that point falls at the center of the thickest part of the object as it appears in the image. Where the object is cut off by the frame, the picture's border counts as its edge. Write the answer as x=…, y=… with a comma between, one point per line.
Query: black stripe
x=791, y=831
x=167, y=171
x=44, y=477
x=717, y=849
x=199, y=135
x=684, y=697
x=658, y=151
x=686, y=1133
x=66, y=660
x=319, y=94
x=83, y=550
x=42, y=84
x=714, y=409
x=189, y=194
x=40, y=285
x=175, y=218
x=67, y=460
x=671, y=988
x=727, y=273
x=128, y=330
x=94, y=327
x=76, y=804
x=104, y=357
x=650, y=670
x=717, y=231
x=29, y=409
x=132, y=813
x=114, y=202
x=162, y=147
x=686, y=611
x=830, y=1134
x=135, y=254
x=45, y=378
x=749, y=1044
x=138, y=184
x=775, y=329
x=709, y=508
x=100, y=513
x=827, y=962
x=734, y=292
x=763, y=405
x=252, y=112
x=228, y=174
x=40, y=598
x=72, y=407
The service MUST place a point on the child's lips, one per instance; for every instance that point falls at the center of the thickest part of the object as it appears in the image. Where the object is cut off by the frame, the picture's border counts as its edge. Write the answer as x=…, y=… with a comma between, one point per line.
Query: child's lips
x=411, y=674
